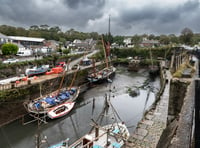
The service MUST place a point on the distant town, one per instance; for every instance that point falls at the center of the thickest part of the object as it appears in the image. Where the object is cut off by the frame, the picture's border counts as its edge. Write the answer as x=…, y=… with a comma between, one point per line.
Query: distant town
x=44, y=39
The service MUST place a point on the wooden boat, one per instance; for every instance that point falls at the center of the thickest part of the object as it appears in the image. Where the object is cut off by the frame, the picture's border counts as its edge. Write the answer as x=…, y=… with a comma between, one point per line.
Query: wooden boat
x=109, y=136
x=106, y=73
x=36, y=70
x=43, y=105
x=153, y=69
x=60, y=110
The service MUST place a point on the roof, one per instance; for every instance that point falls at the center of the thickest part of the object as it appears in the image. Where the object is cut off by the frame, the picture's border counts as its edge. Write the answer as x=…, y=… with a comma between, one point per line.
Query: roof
x=21, y=38
x=150, y=41
x=3, y=36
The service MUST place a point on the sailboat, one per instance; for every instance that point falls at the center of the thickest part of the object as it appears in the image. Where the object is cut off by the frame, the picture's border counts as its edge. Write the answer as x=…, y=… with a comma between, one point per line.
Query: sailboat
x=153, y=69
x=112, y=135
x=57, y=103
x=105, y=74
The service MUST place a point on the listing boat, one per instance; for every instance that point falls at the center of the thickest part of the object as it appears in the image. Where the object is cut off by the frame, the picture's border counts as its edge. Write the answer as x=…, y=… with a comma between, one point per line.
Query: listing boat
x=36, y=70
x=60, y=110
x=106, y=73
x=43, y=105
x=110, y=136
x=153, y=69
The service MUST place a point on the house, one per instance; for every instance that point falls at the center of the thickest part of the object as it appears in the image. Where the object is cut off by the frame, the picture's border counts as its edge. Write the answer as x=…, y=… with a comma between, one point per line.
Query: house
x=149, y=43
x=51, y=44
x=81, y=45
x=128, y=43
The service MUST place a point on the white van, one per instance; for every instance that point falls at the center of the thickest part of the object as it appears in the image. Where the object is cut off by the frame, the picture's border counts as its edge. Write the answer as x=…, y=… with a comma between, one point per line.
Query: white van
x=25, y=53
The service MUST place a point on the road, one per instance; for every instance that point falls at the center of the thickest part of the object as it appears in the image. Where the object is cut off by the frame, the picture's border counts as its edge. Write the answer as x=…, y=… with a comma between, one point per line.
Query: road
x=71, y=64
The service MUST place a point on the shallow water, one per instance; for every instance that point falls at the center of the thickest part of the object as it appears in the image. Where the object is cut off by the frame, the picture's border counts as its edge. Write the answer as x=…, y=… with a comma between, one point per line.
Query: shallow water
x=89, y=106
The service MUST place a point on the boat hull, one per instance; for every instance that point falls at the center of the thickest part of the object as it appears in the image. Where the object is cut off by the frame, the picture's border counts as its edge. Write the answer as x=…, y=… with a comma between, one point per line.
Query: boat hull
x=37, y=70
x=105, y=75
x=60, y=110
x=117, y=134
x=43, y=105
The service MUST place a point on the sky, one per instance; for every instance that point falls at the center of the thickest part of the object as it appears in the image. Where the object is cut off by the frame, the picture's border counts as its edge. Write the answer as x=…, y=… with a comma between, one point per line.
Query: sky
x=127, y=17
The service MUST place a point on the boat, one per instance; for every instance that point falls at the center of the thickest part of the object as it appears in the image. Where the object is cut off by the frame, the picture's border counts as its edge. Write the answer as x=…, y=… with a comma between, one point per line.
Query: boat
x=110, y=136
x=43, y=105
x=57, y=98
x=105, y=74
x=153, y=69
x=134, y=64
x=36, y=70
x=60, y=110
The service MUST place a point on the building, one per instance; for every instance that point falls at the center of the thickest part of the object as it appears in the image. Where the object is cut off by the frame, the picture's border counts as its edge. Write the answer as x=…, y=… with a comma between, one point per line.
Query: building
x=128, y=43
x=3, y=39
x=149, y=43
x=28, y=42
x=81, y=44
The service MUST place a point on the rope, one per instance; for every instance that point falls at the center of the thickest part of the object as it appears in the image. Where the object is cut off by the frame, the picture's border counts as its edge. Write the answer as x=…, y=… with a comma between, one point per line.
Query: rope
x=73, y=78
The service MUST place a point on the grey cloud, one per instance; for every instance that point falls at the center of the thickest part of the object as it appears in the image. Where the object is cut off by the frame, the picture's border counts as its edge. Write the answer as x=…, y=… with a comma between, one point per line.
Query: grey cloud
x=157, y=19
x=77, y=13
x=29, y=13
x=84, y=3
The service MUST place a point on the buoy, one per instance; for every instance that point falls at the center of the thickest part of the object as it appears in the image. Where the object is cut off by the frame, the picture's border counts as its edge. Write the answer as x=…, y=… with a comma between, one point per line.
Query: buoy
x=25, y=79
x=109, y=80
x=35, y=77
x=17, y=82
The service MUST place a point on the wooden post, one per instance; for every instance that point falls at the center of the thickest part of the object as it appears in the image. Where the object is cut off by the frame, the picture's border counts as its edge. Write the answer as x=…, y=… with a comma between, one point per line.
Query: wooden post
x=96, y=133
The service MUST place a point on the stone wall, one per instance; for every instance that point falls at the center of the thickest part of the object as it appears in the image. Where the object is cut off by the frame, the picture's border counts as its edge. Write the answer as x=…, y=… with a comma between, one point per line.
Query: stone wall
x=183, y=136
x=11, y=100
x=178, y=89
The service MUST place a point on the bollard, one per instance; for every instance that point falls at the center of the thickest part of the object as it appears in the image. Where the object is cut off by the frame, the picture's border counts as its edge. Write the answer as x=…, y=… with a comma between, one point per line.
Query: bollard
x=29, y=82
x=12, y=85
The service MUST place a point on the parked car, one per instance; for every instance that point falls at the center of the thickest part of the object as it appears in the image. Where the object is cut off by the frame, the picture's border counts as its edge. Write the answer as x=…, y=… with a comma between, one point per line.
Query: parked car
x=8, y=61
x=75, y=67
x=61, y=64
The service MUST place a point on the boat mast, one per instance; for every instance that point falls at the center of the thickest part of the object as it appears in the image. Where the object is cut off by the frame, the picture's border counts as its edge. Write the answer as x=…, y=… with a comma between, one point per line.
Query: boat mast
x=104, y=49
x=151, y=58
x=64, y=73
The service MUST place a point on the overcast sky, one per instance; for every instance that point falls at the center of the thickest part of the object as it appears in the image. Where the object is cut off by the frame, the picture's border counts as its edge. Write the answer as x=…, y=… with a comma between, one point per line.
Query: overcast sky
x=128, y=17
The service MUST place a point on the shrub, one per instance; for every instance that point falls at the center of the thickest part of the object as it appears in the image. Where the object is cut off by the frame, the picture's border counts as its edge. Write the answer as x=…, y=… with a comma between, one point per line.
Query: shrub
x=9, y=49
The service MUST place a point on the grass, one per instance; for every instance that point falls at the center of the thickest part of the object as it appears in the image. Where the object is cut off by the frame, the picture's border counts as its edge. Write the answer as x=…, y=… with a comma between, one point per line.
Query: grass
x=178, y=73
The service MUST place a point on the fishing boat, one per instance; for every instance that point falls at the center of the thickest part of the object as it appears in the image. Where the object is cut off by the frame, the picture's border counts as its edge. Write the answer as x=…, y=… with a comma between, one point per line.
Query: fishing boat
x=60, y=110
x=36, y=70
x=110, y=136
x=105, y=74
x=45, y=104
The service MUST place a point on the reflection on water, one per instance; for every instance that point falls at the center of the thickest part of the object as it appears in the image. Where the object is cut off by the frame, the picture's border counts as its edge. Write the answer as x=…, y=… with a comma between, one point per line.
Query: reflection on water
x=89, y=106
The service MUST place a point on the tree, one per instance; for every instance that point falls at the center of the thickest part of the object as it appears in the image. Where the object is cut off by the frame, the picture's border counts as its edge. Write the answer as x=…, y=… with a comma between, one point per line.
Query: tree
x=136, y=39
x=34, y=27
x=164, y=39
x=9, y=49
x=186, y=36
x=119, y=40
x=66, y=51
x=44, y=27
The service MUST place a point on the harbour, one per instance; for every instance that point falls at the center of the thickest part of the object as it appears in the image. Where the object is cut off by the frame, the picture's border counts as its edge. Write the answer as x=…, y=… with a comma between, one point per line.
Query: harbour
x=89, y=106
